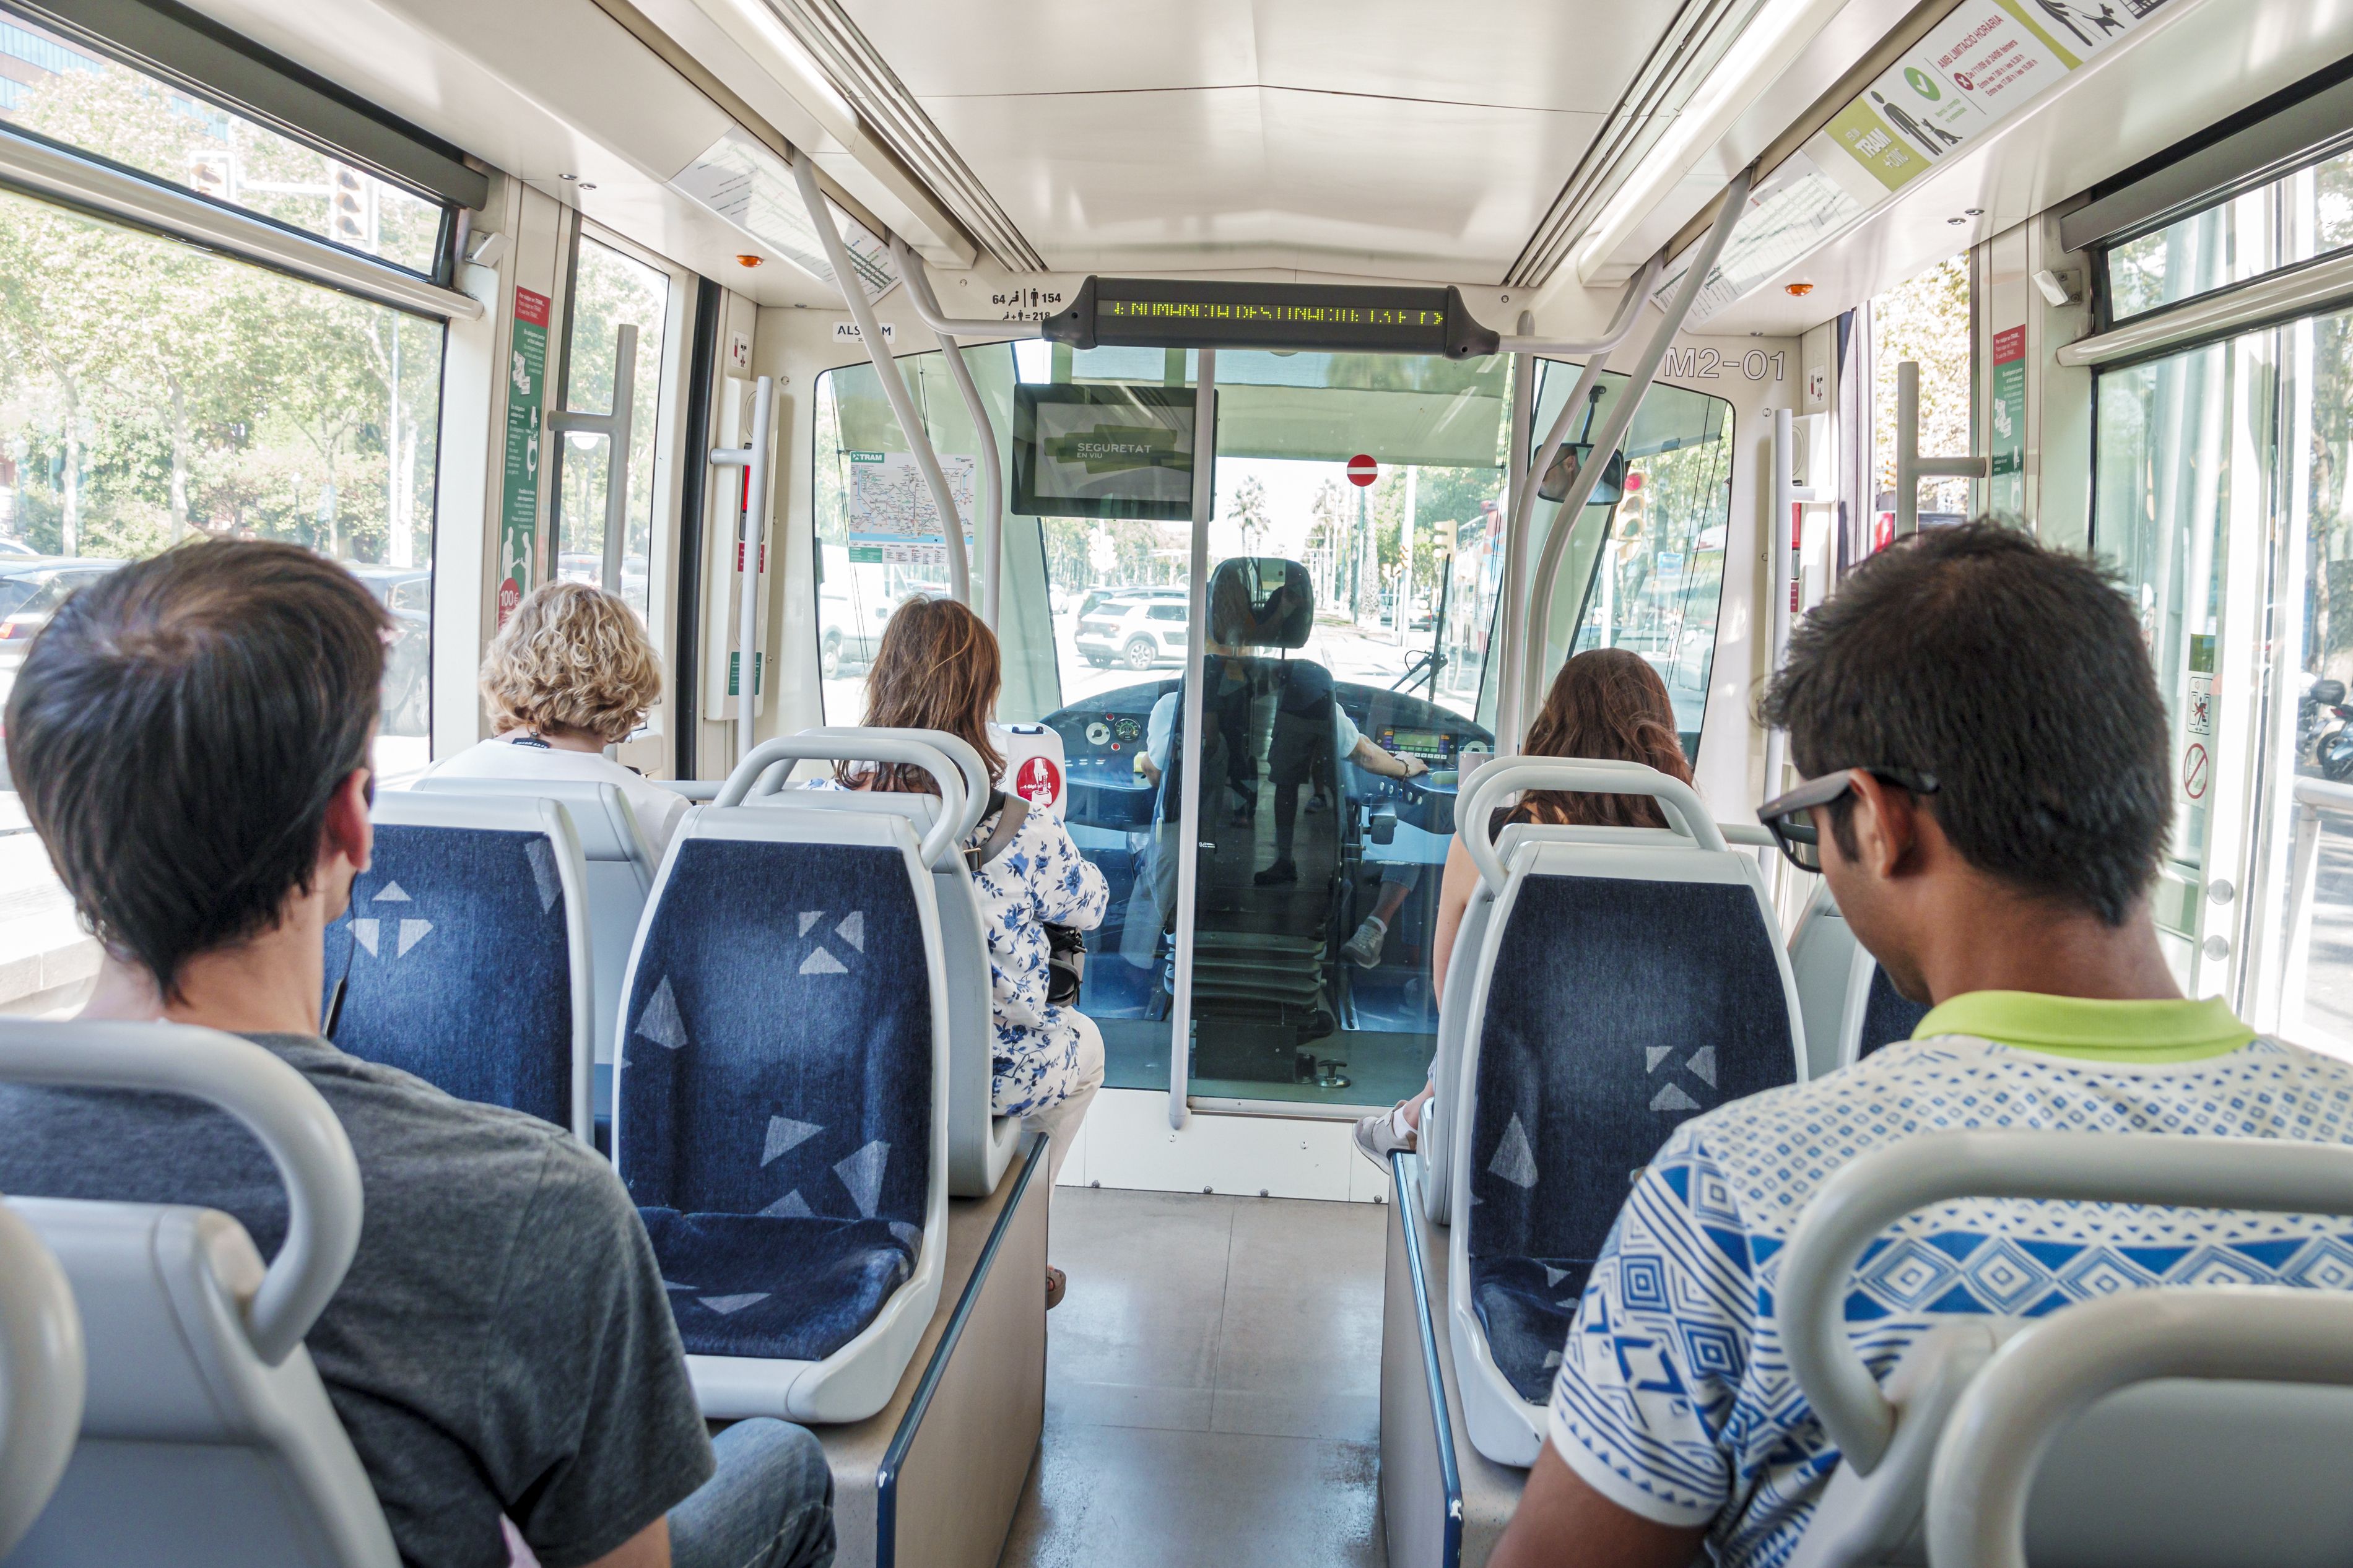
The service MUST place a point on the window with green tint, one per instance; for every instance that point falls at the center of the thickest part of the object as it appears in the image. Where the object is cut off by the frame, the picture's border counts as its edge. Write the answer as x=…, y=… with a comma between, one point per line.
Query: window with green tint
x=609, y=290
x=2298, y=217
x=55, y=89
x=1644, y=569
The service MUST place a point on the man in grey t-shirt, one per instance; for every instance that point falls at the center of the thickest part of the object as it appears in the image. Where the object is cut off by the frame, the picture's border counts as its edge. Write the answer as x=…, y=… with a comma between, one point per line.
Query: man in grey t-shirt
x=190, y=738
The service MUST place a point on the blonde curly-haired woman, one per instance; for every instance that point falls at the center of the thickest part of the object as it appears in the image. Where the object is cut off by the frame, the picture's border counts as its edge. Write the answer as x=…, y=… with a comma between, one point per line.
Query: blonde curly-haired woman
x=570, y=673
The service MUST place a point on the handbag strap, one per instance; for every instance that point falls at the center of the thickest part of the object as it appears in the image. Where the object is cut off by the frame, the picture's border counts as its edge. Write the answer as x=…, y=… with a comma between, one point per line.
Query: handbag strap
x=1011, y=812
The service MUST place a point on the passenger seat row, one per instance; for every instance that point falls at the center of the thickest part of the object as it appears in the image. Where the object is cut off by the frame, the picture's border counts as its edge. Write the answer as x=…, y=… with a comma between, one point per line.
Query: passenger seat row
x=791, y=1010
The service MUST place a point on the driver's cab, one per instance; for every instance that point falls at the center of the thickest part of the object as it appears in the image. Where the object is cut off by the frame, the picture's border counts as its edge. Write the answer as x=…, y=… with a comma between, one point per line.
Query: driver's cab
x=1317, y=872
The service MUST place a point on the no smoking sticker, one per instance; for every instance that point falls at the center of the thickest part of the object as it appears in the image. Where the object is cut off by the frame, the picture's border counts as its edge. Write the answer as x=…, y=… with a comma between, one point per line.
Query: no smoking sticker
x=2193, y=771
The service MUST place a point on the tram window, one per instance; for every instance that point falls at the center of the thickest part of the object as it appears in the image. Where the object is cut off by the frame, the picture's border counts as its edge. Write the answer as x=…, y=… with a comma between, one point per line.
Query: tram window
x=2296, y=218
x=609, y=289
x=166, y=131
x=151, y=393
x=1925, y=320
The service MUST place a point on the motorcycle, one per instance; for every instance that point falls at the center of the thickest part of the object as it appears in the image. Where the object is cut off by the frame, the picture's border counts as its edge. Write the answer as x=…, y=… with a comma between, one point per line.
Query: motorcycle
x=2325, y=729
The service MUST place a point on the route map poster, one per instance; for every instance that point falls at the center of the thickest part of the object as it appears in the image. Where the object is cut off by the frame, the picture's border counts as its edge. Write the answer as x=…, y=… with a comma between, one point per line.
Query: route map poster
x=519, y=494
x=893, y=520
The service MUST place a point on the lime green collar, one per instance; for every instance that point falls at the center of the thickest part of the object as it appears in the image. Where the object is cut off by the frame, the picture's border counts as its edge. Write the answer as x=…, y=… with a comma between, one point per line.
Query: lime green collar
x=2099, y=1030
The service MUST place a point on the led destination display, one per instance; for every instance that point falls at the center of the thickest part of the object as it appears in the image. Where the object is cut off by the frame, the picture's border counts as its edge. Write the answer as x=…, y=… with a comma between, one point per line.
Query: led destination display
x=1334, y=318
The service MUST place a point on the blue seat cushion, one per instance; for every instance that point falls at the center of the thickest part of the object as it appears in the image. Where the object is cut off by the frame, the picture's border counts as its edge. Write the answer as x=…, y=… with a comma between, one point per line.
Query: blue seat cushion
x=777, y=1287
x=455, y=959
x=1887, y=1015
x=1526, y=1305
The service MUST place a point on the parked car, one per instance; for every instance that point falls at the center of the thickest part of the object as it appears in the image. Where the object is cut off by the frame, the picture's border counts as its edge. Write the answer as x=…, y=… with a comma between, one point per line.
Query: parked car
x=1096, y=598
x=1136, y=632
x=408, y=592
x=31, y=591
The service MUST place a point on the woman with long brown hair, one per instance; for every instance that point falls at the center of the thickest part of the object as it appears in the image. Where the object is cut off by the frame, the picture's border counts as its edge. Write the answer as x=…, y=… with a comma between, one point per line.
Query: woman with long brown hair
x=937, y=669
x=1607, y=704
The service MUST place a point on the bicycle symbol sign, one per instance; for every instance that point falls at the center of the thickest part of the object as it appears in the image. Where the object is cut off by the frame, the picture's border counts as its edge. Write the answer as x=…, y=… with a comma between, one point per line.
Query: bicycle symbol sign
x=2193, y=772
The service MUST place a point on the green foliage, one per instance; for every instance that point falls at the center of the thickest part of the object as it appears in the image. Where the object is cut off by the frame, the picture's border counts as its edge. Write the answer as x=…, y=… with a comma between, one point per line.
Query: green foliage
x=1927, y=320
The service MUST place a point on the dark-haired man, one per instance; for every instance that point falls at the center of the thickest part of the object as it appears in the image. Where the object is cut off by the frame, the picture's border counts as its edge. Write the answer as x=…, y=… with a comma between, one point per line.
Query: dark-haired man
x=1989, y=798
x=191, y=740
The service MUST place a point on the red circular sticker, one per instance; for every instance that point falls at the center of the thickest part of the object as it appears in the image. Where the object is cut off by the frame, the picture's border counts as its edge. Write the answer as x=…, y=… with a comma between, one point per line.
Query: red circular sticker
x=1362, y=469
x=1037, y=781
x=509, y=596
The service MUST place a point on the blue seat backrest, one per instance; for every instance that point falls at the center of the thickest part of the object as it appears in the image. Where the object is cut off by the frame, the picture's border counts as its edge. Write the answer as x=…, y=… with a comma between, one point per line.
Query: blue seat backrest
x=1618, y=1008
x=778, y=1053
x=1887, y=1017
x=457, y=967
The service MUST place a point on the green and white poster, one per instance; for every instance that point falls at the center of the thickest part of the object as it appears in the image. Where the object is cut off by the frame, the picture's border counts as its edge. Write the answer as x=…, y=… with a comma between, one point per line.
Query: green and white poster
x=526, y=399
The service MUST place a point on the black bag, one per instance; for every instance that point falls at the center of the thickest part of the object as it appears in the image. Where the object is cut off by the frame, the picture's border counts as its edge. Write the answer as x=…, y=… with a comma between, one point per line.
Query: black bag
x=1066, y=946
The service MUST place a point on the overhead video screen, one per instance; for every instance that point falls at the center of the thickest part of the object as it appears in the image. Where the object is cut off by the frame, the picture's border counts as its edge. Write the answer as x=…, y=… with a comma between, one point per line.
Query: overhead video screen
x=1104, y=451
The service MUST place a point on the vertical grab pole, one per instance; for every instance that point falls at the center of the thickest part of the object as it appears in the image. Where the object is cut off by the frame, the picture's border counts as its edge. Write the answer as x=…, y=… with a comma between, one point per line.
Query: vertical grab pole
x=1784, y=525
x=989, y=532
x=1189, y=820
x=886, y=370
x=1908, y=447
x=1646, y=370
x=754, y=545
x=1510, y=614
x=1638, y=288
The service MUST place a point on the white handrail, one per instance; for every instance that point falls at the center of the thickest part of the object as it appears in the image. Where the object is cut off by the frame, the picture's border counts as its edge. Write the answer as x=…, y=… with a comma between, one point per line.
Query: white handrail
x=928, y=311
x=277, y=1105
x=990, y=534
x=1866, y=1196
x=939, y=846
x=886, y=371
x=751, y=541
x=1620, y=325
x=955, y=748
x=1911, y=467
x=43, y=1372
x=1579, y=775
x=1188, y=794
x=2042, y=1380
x=1621, y=418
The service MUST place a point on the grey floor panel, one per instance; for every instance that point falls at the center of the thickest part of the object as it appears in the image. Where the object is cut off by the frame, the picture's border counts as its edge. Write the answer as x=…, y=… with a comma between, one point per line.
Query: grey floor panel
x=1213, y=1389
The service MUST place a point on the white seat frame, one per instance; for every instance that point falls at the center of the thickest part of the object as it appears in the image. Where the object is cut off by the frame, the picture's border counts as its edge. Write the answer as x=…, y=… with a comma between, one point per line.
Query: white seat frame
x=1503, y=1426
x=860, y=1378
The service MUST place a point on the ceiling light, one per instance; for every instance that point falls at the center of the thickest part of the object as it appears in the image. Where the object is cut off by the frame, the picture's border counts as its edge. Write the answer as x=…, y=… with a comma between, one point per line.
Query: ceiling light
x=748, y=261
x=1800, y=291
x=1974, y=212
x=1957, y=220
x=587, y=185
x=568, y=176
x=1768, y=45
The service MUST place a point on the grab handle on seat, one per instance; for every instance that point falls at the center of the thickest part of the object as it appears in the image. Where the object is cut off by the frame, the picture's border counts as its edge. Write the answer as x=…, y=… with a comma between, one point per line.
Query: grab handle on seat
x=849, y=745
x=1995, y=1439
x=1583, y=776
x=956, y=749
x=41, y=1376
x=1873, y=1192
x=276, y=1104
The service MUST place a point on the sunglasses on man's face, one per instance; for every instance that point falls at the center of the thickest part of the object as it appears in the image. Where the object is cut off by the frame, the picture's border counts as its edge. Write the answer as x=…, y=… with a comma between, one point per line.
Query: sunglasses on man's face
x=1790, y=817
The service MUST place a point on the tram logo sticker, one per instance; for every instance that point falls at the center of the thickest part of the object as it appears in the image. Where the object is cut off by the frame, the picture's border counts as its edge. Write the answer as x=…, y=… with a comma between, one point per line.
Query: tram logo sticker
x=1038, y=781
x=2194, y=769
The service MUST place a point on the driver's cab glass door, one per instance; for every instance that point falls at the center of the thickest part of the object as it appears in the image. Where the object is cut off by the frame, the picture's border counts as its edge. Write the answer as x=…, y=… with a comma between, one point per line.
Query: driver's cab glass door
x=1348, y=631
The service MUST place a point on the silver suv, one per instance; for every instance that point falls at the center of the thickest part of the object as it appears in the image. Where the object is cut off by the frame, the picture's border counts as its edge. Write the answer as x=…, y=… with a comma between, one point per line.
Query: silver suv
x=1139, y=629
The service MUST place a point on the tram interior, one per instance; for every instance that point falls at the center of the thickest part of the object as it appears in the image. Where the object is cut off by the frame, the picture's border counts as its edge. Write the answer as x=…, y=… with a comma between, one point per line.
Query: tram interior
x=1282, y=396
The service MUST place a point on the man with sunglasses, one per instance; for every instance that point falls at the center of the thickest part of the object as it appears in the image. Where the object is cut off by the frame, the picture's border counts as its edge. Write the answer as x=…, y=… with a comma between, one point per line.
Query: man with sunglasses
x=1989, y=793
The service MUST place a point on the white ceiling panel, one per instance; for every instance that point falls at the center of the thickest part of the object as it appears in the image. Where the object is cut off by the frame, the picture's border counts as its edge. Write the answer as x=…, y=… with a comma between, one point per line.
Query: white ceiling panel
x=1520, y=54
x=953, y=48
x=1263, y=177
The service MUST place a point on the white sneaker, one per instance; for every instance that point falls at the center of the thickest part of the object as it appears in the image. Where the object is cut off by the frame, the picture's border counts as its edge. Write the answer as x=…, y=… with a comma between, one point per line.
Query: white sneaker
x=1365, y=947
x=1377, y=1139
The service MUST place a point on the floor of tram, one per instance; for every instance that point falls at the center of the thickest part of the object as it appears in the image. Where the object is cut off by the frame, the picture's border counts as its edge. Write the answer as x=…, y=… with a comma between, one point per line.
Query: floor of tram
x=1212, y=1385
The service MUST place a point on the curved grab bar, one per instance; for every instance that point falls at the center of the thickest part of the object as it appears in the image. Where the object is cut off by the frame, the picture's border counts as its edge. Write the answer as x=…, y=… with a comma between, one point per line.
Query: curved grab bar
x=276, y=1104
x=42, y=1373
x=955, y=748
x=939, y=846
x=1882, y=1187
x=1995, y=1439
x=1583, y=776
x=988, y=537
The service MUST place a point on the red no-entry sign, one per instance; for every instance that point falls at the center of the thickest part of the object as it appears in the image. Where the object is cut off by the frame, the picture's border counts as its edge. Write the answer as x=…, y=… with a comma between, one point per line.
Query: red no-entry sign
x=1362, y=469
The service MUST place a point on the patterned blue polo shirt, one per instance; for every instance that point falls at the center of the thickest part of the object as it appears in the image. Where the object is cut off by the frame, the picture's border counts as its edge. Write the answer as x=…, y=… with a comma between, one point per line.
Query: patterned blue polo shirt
x=1675, y=1398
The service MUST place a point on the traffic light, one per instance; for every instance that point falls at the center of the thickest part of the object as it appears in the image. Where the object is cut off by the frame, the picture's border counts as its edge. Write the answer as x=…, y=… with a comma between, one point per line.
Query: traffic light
x=347, y=219
x=1442, y=538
